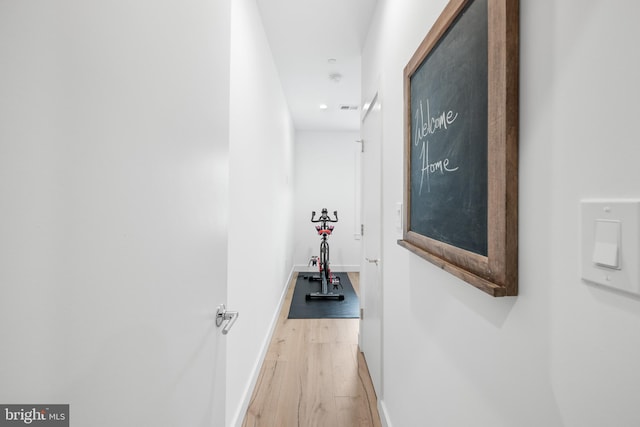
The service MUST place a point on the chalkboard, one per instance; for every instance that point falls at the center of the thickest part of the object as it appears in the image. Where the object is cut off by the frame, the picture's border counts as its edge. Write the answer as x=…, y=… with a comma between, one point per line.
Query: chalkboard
x=461, y=144
x=449, y=135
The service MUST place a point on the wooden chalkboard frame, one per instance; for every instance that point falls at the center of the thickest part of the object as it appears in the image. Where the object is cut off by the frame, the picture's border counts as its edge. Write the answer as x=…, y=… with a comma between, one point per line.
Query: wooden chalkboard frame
x=496, y=273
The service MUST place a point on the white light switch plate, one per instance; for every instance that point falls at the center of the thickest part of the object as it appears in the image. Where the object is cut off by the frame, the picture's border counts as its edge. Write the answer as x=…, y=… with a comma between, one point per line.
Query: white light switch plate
x=605, y=224
x=398, y=218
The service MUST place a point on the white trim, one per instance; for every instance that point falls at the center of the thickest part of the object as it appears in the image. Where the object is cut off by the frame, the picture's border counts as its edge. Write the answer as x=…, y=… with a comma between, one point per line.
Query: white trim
x=238, y=417
x=384, y=415
x=336, y=268
x=357, y=201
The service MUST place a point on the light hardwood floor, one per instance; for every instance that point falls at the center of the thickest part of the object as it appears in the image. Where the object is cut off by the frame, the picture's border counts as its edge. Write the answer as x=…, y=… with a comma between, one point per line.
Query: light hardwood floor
x=313, y=375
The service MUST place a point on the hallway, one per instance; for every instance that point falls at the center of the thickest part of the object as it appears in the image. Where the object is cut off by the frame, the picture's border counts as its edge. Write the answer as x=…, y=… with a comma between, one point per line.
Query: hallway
x=313, y=375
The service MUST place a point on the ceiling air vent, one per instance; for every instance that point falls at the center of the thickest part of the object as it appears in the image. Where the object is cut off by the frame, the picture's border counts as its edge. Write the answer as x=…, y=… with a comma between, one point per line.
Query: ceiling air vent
x=348, y=107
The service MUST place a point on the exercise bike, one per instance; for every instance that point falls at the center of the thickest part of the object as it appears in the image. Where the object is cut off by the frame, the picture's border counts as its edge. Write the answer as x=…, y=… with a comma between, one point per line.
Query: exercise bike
x=325, y=276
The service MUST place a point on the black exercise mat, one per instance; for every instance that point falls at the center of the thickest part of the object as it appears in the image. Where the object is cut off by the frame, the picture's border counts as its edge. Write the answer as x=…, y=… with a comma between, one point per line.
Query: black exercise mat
x=349, y=308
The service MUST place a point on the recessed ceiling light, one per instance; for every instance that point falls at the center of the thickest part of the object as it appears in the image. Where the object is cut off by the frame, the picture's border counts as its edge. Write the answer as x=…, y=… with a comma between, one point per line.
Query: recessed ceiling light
x=323, y=106
x=335, y=77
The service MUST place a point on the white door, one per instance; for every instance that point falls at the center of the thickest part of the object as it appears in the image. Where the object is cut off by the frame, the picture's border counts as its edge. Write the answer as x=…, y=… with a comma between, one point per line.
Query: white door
x=371, y=280
x=113, y=187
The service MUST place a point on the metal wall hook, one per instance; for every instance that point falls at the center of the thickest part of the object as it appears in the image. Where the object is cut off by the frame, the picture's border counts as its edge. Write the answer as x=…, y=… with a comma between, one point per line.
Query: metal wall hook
x=224, y=315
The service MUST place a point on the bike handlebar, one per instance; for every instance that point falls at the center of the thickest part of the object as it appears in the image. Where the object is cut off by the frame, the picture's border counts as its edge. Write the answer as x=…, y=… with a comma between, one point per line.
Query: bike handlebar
x=324, y=217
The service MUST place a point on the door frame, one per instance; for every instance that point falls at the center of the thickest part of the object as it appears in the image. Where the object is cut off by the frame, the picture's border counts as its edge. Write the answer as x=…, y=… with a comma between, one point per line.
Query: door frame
x=372, y=228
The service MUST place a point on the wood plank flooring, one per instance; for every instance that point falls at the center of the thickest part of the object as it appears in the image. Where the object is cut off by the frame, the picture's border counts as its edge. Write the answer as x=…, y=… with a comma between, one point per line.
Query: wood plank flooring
x=314, y=375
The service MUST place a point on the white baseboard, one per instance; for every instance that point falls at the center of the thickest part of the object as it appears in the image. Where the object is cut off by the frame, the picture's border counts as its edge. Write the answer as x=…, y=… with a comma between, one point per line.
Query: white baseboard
x=384, y=415
x=238, y=417
x=338, y=268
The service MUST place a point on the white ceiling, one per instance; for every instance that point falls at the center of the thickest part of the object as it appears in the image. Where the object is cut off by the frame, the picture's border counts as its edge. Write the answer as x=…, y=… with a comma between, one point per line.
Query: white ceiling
x=304, y=35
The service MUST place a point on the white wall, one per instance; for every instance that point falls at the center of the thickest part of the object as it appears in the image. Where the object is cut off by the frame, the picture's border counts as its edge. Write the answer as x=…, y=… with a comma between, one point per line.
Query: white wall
x=261, y=202
x=327, y=172
x=562, y=353
x=113, y=192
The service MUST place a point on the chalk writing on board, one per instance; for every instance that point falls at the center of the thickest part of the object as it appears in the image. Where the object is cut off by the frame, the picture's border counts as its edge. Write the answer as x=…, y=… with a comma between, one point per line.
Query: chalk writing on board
x=433, y=124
